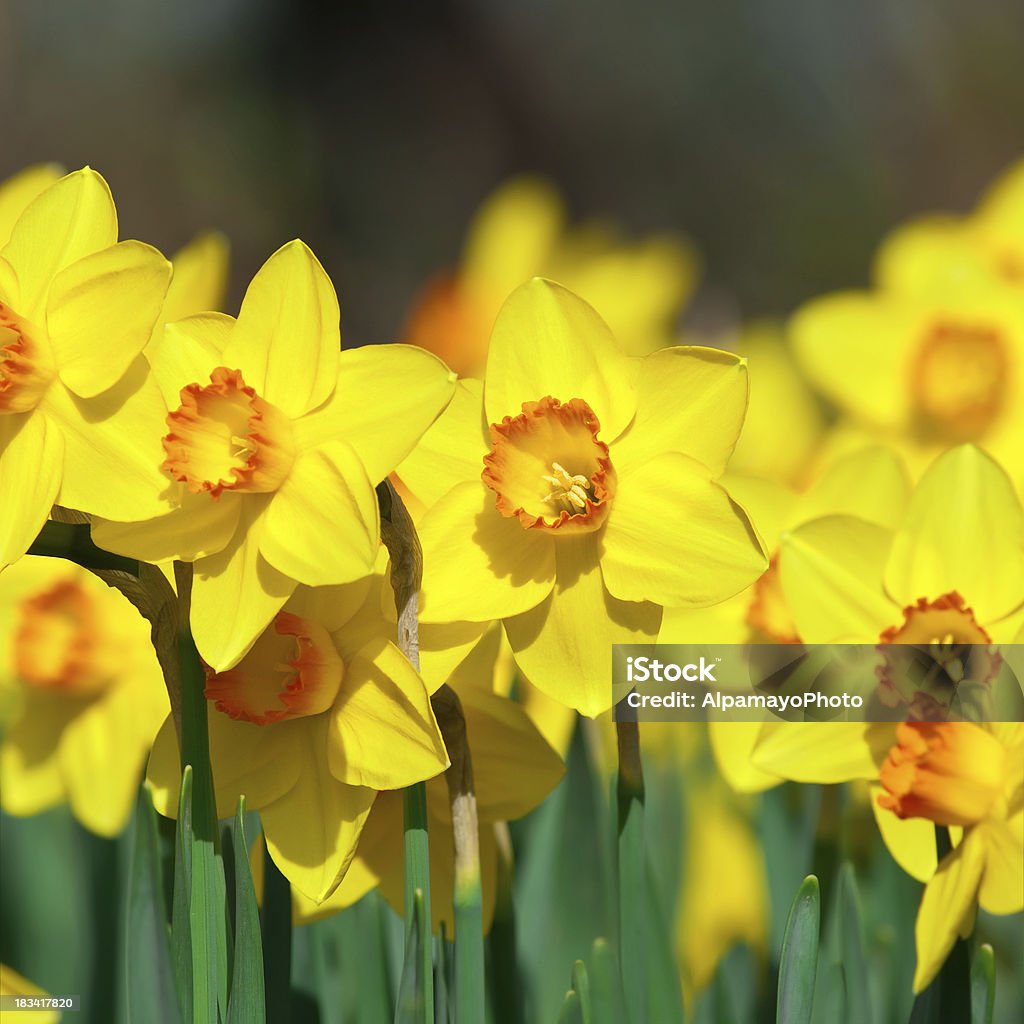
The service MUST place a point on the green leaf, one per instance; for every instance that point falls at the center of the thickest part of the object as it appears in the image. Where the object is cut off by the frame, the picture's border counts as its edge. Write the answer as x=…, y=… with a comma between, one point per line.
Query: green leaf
x=799, y=961
x=851, y=949
x=571, y=1012
x=246, y=1004
x=442, y=1011
x=581, y=983
x=412, y=991
x=181, y=923
x=152, y=996
x=276, y=936
x=470, y=998
x=983, y=985
x=633, y=903
x=664, y=995
x=417, y=894
x=606, y=984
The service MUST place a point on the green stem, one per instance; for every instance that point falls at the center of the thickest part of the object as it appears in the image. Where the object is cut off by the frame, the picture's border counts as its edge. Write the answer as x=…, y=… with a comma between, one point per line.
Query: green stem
x=73, y=542
x=506, y=987
x=276, y=933
x=632, y=870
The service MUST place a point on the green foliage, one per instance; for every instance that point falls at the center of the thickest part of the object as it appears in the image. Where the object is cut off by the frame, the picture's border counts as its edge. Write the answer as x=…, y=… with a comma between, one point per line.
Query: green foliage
x=799, y=961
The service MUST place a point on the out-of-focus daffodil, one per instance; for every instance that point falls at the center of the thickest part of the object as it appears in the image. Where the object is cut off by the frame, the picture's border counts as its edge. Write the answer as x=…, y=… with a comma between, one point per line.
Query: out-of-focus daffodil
x=590, y=501
x=319, y=715
x=520, y=232
x=18, y=191
x=76, y=309
x=953, y=571
x=514, y=769
x=272, y=448
x=199, y=281
x=86, y=692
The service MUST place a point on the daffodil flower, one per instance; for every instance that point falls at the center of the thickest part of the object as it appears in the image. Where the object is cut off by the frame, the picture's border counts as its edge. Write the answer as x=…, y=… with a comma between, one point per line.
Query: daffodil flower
x=273, y=445
x=18, y=191
x=319, y=715
x=76, y=309
x=952, y=572
x=566, y=418
x=85, y=690
x=521, y=230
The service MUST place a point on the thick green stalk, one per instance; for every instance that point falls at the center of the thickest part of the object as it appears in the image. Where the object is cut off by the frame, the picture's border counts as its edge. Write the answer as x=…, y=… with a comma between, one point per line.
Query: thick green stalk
x=506, y=985
x=468, y=896
x=632, y=871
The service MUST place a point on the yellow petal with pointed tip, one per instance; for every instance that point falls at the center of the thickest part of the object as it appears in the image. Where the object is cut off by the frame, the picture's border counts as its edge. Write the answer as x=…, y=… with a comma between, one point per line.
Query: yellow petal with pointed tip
x=478, y=565
x=236, y=592
x=831, y=571
x=822, y=751
x=17, y=192
x=73, y=218
x=444, y=646
x=31, y=461
x=676, y=538
x=690, y=400
x=1002, y=887
x=911, y=841
x=963, y=531
x=547, y=341
x=187, y=351
x=121, y=427
x=947, y=908
x=101, y=311
x=564, y=644
x=199, y=527
x=386, y=396
x=312, y=831
x=382, y=729
x=871, y=483
x=287, y=338
x=323, y=526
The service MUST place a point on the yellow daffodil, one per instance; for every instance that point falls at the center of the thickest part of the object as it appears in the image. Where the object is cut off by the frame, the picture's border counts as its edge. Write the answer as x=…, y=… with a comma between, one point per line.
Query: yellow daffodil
x=590, y=501
x=521, y=231
x=87, y=694
x=951, y=572
x=199, y=281
x=319, y=715
x=273, y=445
x=76, y=309
x=513, y=771
x=17, y=192
x=13, y=984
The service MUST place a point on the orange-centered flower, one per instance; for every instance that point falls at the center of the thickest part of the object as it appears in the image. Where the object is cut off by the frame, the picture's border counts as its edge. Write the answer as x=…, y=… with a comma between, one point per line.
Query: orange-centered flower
x=951, y=773
x=939, y=648
x=26, y=363
x=959, y=380
x=223, y=436
x=293, y=670
x=548, y=468
x=62, y=643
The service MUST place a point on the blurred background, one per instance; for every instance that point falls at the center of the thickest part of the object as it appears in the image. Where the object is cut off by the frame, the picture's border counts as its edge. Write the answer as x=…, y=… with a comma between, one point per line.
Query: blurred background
x=784, y=139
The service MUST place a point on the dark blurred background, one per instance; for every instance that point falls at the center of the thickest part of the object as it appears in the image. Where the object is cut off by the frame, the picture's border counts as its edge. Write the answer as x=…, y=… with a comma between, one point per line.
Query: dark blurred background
x=784, y=137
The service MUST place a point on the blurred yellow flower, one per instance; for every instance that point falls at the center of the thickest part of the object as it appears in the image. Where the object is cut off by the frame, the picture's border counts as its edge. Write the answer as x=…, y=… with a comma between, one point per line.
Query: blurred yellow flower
x=319, y=715
x=18, y=191
x=13, y=984
x=276, y=439
x=199, y=281
x=521, y=231
x=590, y=501
x=86, y=693
x=76, y=309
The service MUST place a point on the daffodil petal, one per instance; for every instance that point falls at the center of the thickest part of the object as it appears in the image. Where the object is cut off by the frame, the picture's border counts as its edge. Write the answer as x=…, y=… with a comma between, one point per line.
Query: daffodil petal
x=690, y=400
x=1002, y=886
x=831, y=571
x=911, y=841
x=187, y=351
x=871, y=483
x=236, y=592
x=444, y=646
x=287, y=339
x=73, y=218
x=676, y=538
x=963, y=531
x=121, y=427
x=198, y=528
x=323, y=526
x=31, y=461
x=564, y=644
x=822, y=751
x=313, y=829
x=547, y=341
x=382, y=730
x=452, y=449
x=200, y=277
x=101, y=311
x=29, y=764
x=17, y=192
x=946, y=906
x=733, y=744
x=478, y=565
x=385, y=398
